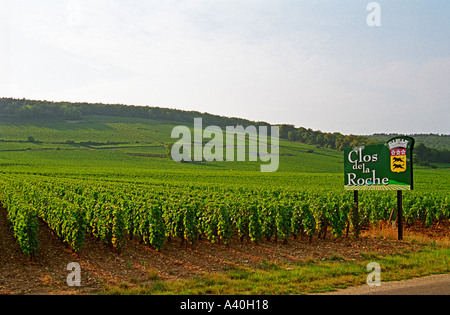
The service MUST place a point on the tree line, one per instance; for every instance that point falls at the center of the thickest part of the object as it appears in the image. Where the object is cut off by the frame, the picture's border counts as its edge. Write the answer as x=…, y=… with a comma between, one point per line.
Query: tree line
x=30, y=109
x=335, y=140
x=423, y=155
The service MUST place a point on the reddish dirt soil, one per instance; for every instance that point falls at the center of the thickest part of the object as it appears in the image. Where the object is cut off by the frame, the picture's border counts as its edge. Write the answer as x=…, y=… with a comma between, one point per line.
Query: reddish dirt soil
x=138, y=264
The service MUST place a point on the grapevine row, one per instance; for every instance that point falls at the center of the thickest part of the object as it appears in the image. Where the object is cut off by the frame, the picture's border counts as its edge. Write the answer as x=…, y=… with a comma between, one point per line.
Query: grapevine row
x=111, y=211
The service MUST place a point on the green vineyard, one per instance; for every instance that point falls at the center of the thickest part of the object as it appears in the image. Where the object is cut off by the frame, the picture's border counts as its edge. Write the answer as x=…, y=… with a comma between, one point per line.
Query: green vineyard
x=112, y=211
x=109, y=178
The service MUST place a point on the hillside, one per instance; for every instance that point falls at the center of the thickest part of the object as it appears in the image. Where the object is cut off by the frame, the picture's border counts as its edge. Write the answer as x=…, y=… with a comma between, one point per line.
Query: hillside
x=143, y=133
x=86, y=136
x=108, y=144
x=23, y=110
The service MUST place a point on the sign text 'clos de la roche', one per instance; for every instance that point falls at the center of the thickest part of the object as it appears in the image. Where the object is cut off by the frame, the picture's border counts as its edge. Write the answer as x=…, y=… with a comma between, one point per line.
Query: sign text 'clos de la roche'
x=385, y=166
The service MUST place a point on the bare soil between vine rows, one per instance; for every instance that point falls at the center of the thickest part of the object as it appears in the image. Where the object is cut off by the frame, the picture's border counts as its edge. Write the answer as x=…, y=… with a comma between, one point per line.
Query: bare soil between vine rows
x=137, y=264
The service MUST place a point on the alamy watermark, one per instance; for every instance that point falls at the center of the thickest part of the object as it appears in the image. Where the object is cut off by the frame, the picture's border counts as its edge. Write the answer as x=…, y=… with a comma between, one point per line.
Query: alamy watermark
x=192, y=148
x=74, y=278
x=374, y=278
x=374, y=17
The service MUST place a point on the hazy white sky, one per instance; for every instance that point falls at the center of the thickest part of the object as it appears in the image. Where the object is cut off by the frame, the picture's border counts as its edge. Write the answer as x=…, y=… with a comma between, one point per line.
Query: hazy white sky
x=311, y=63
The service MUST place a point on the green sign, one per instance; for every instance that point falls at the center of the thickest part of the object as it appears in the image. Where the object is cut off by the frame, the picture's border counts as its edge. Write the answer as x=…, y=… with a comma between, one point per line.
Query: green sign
x=380, y=167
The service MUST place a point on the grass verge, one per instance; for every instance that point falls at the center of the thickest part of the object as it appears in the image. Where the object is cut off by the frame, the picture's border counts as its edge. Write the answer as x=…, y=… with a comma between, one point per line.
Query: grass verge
x=276, y=278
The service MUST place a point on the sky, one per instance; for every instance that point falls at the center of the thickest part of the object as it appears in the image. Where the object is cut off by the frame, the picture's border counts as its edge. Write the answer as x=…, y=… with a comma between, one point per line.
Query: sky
x=310, y=63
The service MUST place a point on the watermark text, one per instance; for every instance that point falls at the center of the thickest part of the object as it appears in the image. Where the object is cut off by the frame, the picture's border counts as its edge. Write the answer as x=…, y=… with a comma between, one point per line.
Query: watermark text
x=190, y=147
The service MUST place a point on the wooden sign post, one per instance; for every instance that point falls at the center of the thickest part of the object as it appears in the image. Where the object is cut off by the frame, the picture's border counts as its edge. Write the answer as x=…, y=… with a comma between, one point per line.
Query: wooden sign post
x=400, y=214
